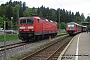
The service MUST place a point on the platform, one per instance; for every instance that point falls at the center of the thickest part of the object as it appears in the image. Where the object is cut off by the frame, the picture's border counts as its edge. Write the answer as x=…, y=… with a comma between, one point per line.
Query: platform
x=78, y=48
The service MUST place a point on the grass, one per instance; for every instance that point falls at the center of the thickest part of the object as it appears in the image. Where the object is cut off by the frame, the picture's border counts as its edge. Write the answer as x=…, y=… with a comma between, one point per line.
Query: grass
x=17, y=55
x=8, y=37
x=14, y=57
x=62, y=32
x=15, y=36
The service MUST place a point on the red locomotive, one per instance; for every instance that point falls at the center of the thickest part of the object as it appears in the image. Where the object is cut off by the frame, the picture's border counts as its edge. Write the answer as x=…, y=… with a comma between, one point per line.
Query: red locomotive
x=34, y=27
x=74, y=28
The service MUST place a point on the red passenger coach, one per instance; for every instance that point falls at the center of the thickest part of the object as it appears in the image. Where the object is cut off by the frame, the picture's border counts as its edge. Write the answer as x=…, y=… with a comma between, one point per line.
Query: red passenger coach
x=73, y=28
x=34, y=27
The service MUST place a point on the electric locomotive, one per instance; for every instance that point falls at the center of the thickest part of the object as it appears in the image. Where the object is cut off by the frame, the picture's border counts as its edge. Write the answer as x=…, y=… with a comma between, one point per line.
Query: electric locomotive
x=34, y=27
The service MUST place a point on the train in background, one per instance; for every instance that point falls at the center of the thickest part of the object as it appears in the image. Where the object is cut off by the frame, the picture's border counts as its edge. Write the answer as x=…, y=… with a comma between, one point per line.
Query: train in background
x=73, y=28
x=34, y=27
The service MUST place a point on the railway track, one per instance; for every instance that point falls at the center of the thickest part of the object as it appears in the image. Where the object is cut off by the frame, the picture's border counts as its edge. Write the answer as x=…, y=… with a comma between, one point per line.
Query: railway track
x=14, y=45
x=10, y=46
x=20, y=46
x=48, y=52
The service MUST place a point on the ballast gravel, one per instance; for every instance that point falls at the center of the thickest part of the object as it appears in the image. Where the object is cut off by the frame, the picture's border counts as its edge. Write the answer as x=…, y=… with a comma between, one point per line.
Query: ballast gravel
x=11, y=54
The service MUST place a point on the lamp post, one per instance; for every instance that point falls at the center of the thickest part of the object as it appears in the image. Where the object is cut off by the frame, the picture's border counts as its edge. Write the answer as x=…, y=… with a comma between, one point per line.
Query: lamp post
x=11, y=22
x=4, y=40
x=59, y=15
x=59, y=18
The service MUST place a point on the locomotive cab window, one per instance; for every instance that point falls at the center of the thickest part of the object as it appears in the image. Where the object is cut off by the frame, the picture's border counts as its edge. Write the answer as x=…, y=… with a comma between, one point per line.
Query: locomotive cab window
x=22, y=21
x=70, y=25
x=27, y=21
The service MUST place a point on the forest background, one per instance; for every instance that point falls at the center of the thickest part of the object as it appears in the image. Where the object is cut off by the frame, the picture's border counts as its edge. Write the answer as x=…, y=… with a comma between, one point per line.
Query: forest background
x=12, y=11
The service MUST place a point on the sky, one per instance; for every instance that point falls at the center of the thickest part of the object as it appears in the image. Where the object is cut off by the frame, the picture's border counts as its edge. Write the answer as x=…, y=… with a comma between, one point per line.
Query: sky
x=83, y=6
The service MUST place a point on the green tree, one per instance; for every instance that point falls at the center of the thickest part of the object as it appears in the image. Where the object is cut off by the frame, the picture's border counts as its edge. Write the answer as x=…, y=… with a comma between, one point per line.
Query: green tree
x=88, y=19
x=26, y=13
x=40, y=14
x=9, y=11
x=77, y=17
x=34, y=10
x=53, y=15
x=2, y=10
x=24, y=6
x=1, y=21
x=63, y=25
x=82, y=17
x=16, y=10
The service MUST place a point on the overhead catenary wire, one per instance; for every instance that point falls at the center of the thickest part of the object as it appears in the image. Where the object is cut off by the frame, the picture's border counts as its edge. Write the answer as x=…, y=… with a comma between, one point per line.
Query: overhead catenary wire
x=37, y=2
x=59, y=3
x=65, y=3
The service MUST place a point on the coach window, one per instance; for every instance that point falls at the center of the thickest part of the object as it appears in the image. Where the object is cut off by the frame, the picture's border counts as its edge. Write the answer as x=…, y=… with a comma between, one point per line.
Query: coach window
x=38, y=21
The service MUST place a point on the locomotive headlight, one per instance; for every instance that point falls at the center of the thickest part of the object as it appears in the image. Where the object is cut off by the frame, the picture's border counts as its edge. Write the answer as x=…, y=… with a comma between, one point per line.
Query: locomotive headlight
x=30, y=27
x=22, y=27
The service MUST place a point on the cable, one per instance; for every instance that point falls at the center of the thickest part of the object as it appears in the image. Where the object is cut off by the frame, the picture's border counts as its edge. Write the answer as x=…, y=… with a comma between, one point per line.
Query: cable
x=65, y=3
x=59, y=4
x=37, y=2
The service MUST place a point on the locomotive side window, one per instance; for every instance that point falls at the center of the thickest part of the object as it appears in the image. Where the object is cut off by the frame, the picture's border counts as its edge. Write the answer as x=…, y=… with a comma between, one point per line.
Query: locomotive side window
x=38, y=21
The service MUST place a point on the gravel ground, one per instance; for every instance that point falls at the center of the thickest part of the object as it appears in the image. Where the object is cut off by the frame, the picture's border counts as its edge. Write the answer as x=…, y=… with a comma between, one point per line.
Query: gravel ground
x=10, y=42
x=16, y=52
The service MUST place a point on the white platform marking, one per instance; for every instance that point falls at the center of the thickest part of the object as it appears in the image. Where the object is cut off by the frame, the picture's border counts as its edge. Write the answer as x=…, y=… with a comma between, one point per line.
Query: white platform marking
x=76, y=57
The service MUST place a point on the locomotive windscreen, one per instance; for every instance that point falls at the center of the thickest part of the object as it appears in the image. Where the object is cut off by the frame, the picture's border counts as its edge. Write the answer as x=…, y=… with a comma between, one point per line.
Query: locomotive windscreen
x=27, y=21
x=70, y=25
